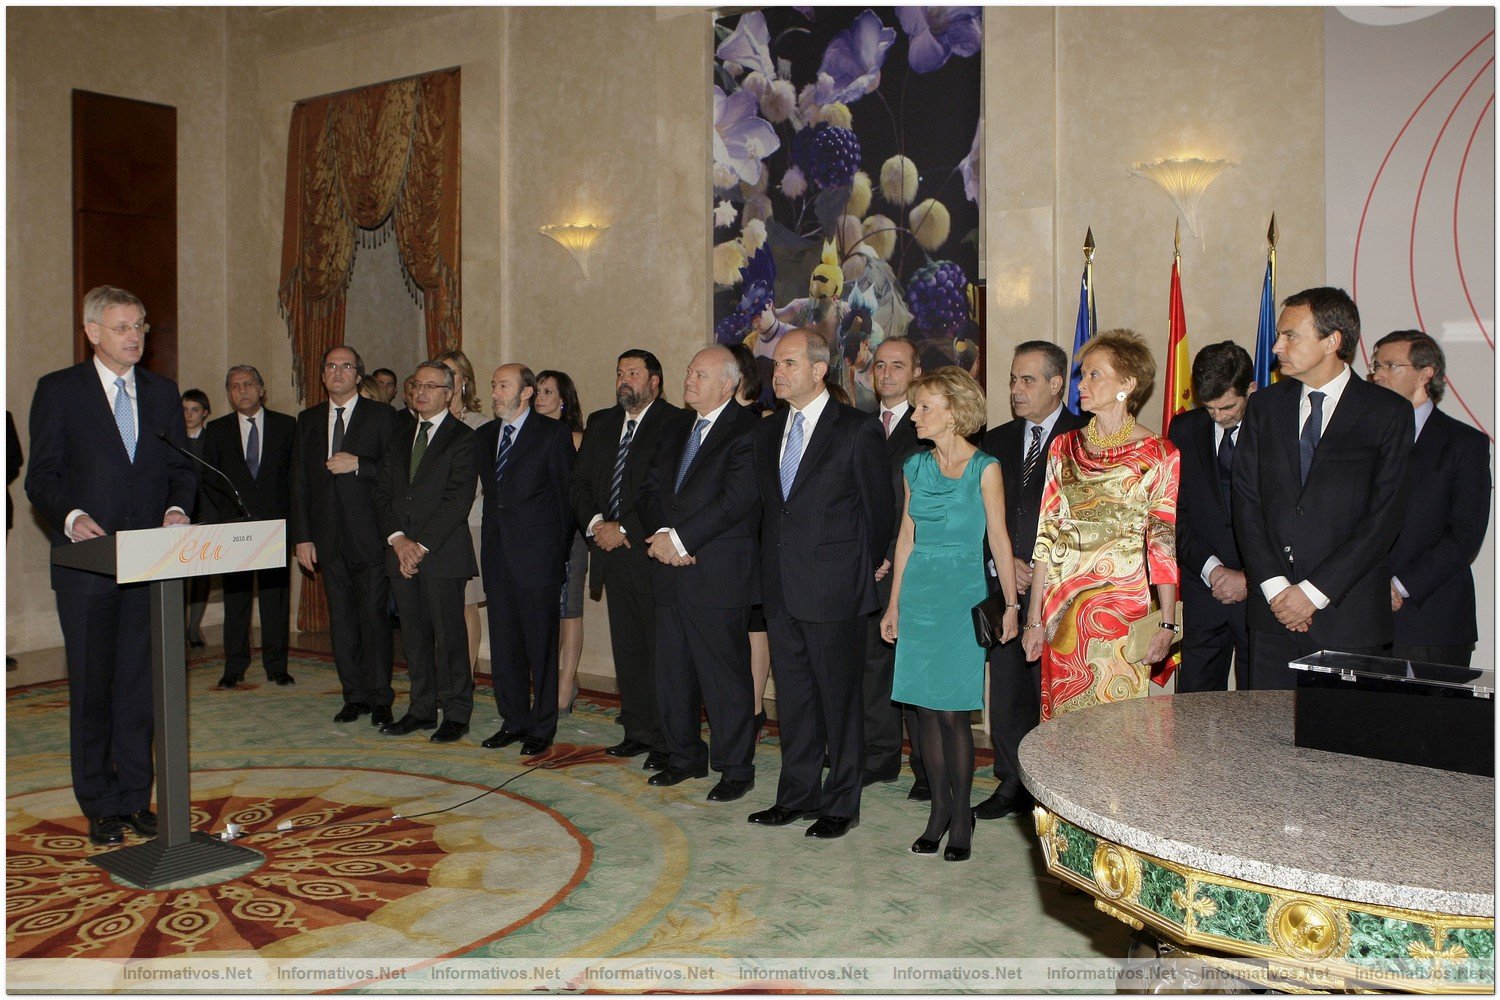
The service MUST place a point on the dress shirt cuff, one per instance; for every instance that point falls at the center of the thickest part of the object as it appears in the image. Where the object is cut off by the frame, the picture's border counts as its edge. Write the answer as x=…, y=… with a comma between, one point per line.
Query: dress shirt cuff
x=1211, y=564
x=1274, y=586
x=73, y=515
x=1396, y=582
x=391, y=538
x=180, y=511
x=597, y=520
x=676, y=541
x=1320, y=600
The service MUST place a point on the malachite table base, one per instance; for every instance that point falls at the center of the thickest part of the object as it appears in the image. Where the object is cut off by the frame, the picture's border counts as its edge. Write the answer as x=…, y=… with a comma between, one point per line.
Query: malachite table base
x=1302, y=942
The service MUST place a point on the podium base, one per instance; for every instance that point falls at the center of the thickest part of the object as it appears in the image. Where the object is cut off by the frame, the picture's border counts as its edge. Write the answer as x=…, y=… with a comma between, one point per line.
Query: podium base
x=154, y=864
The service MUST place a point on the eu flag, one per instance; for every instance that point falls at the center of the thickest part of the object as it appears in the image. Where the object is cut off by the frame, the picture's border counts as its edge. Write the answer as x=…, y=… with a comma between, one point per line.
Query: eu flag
x=1083, y=329
x=1265, y=331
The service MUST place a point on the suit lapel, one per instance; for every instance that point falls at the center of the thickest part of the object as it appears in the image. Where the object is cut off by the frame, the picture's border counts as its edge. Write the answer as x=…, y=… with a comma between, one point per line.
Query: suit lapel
x=1349, y=414
x=1210, y=459
x=711, y=442
x=821, y=436
x=436, y=443
x=1284, y=418
x=523, y=442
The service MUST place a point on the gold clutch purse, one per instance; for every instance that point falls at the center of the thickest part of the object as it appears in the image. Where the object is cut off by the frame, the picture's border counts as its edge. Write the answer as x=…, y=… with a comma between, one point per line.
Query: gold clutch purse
x=1138, y=638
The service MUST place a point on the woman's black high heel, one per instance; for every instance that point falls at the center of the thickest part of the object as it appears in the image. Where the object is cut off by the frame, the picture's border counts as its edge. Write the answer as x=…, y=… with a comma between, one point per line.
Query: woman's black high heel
x=962, y=853
x=921, y=846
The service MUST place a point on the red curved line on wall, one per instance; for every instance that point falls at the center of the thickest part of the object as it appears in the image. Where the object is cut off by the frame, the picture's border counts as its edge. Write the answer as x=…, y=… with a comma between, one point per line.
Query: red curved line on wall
x=1359, y=233
x=1458, y=187
x=1416, y=206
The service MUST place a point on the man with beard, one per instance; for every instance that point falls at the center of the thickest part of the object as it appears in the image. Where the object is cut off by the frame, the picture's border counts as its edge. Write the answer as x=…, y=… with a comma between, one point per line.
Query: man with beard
x=524, y=462
x=618, y=445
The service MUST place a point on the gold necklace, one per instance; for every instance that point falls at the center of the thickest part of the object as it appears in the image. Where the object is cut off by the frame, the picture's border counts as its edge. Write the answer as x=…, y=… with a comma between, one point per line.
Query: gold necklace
x=1098, y=440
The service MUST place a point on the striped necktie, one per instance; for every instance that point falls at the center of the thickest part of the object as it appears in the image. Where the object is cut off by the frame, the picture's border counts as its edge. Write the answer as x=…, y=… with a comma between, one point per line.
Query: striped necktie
x=502, y=454
x=792, y=456
x=1033, y=459
x=617, y=481
x=125, y=417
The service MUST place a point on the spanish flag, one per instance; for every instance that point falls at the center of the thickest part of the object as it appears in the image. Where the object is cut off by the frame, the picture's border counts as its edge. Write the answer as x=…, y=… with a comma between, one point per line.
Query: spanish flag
x=1177, y=396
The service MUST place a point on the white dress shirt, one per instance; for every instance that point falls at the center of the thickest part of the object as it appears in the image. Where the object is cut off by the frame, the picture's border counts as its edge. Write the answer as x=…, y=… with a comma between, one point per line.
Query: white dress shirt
x=897, y=412
x=333, y=416
x=597, y=519
x=810, y=415
x=436, y=421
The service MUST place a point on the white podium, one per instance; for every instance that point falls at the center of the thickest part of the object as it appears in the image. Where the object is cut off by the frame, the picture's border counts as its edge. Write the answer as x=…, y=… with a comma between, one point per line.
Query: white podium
x=164, y=557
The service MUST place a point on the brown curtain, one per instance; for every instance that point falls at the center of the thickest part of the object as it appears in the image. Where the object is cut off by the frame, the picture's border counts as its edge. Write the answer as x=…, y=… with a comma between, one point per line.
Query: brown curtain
x=365, y=165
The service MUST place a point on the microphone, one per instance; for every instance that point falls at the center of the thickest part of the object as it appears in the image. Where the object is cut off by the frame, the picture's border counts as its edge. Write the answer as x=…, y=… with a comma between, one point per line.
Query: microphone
x=214, y=469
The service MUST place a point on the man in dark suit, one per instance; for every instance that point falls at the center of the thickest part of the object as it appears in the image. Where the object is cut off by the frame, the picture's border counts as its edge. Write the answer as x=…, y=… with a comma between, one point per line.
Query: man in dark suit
x=828, y=515
x=97, y=468
x=1319, y=472
x=1038, y=380
x=605, y=489
x=1447, y=509
x=704, y=580
x=338, y=448
x=524, y=462
x=1213, y=575
x=894, y=367
x=422, y=498
x=253, y=447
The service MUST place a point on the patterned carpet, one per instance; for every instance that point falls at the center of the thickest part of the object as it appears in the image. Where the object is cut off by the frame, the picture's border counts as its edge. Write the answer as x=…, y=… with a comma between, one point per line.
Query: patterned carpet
x=386, y=849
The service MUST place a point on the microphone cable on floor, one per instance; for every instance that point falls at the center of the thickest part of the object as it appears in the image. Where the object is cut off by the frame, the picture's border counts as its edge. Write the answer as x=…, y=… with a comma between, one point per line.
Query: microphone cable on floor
x=233, y=831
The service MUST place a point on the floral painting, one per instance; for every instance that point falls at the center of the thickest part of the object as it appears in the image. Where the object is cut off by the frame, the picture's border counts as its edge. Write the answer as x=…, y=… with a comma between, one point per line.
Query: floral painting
x=847, y=164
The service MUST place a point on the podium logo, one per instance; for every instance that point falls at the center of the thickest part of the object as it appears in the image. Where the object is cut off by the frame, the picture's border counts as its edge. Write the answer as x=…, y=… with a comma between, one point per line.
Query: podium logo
x=194, y=549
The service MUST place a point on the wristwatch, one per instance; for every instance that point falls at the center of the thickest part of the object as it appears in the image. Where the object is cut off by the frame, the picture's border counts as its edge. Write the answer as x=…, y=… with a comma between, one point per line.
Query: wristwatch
x=1171, y=626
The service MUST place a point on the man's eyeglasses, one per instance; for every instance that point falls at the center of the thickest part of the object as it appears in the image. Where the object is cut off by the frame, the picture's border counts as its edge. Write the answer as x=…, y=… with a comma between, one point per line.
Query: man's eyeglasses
x=124, y=328
x=1376, y=367
x=346, y=366
x=430, y=386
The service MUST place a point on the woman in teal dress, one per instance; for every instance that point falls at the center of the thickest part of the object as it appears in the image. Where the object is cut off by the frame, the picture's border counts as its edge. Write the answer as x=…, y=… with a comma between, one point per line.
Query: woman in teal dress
x=955, y=498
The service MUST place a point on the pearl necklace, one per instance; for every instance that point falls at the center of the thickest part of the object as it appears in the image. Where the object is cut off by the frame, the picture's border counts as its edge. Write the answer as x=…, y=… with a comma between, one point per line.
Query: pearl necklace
x=1098, y=440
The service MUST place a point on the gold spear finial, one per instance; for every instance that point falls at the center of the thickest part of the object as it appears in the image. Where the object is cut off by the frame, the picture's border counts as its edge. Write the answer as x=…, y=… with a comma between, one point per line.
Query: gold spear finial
x=1177, y=238
x=1088, y=246
x=1271, y=233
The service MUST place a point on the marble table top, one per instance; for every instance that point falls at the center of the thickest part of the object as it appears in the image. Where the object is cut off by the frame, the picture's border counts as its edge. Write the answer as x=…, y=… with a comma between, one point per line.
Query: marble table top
x=1213, y=781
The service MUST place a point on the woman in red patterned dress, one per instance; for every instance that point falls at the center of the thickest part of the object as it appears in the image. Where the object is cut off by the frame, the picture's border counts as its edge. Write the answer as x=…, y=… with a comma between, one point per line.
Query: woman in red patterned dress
x=1107, y=534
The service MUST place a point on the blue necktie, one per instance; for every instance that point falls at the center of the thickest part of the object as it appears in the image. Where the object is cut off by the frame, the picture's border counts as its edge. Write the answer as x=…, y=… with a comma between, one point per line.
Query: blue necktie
x=503, y=452
x=617, y=481
x=125, y=417
x=694, y=442
x=252, y=450
x=792, y=456
x=1312, y=432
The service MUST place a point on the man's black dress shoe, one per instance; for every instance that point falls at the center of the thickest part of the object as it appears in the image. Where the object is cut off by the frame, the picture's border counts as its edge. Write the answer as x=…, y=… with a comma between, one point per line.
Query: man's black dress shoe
x=349, y=712
x=379, y=715
x=407, y=724
x=503, y=738
x=535, y=745
x=106, y=830
x=143, y=823
x=728, y=789
x=673, y=776
x=628, y=748
x=448, y=732
x=876, y=777
x=920, y=792
x=656, y=760
x=832, y=827
x=281, y=680
x=227, y=681
x=778, y=816
x=996, y=807
x=196, y=643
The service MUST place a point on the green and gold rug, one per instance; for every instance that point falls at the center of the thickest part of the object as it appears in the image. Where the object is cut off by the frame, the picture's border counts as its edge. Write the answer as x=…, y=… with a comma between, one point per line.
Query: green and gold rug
x=385, y=853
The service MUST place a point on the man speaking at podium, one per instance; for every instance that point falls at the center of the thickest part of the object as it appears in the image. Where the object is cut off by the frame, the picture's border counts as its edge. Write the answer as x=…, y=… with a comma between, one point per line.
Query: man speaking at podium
x=97, y=467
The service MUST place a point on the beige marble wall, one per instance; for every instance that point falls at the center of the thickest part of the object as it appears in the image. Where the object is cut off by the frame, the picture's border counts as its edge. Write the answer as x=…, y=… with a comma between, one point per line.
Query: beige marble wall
x=174, y=57
x=1137, y=84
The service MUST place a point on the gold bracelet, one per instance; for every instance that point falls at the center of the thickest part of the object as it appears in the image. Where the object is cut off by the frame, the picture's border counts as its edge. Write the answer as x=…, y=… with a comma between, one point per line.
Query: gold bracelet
x=1033, y=624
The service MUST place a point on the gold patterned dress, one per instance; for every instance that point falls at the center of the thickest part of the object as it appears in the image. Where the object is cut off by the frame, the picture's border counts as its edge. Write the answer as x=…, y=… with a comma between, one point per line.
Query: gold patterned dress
x=1107, y=533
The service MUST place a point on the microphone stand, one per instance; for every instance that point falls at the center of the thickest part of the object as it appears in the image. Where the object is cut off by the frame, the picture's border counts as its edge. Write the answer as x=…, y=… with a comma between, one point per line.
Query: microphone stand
x=216, y=471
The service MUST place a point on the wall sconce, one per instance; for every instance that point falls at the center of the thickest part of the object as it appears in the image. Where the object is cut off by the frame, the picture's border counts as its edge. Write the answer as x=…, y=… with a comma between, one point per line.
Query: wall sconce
x=1184, y=181
x=578, y=238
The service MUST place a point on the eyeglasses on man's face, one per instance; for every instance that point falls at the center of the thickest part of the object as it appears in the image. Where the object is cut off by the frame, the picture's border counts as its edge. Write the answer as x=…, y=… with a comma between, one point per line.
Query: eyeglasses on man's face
x=127, y=328
x=428, y=386
x=1376, y=367
x=339, y=366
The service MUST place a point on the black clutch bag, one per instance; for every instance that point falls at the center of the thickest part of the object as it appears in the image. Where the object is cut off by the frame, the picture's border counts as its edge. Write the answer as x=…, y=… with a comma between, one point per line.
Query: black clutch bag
x=989, y=620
